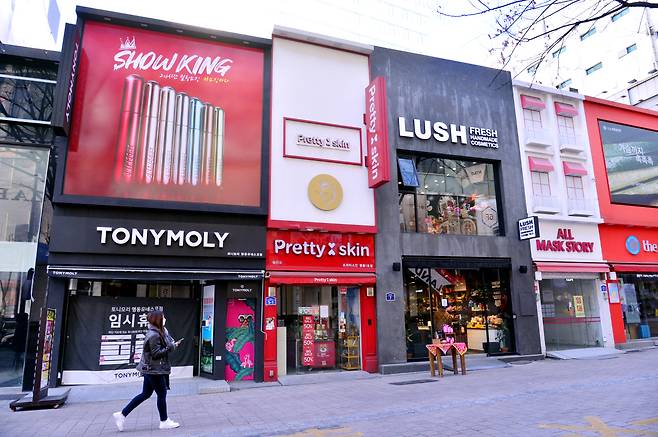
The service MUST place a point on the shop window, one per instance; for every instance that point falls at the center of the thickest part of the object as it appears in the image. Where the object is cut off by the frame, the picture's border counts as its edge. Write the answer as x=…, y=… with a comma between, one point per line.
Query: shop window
x=639, y=294
x=566, y=128
x=575, y=190
x=532, y=119
x=322, y=326
x=541, y=186
x=570, y=311
x=471, y=306
x=453, y=197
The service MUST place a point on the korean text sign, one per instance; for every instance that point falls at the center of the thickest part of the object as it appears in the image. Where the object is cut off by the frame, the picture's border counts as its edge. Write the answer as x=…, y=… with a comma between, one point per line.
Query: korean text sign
x=166, y=117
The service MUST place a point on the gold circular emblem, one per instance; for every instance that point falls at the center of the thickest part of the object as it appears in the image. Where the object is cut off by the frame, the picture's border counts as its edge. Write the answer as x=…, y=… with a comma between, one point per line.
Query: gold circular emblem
x=325, y=192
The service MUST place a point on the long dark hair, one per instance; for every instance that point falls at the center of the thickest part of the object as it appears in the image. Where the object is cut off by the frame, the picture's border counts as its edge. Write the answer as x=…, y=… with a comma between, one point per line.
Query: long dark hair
x=155, y=319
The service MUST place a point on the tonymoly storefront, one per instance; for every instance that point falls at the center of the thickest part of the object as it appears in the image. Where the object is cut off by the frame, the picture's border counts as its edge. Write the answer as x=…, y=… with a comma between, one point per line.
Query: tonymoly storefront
x=160, y=199
x=320, y=299
x=448, y=259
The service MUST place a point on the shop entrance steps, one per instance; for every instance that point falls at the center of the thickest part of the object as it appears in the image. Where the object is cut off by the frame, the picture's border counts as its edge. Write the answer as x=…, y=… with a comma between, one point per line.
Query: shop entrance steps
x=126, y=391
x=584, y=353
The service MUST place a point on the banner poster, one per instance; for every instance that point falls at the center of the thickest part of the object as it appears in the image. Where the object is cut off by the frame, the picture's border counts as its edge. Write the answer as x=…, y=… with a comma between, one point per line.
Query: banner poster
x=47, y=347
x=105, y=337
x=207, y=323
x=166, y=117
x=308, y=338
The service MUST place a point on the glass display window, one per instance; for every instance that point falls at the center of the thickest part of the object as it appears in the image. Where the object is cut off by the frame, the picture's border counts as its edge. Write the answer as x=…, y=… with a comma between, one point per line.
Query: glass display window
x=570, y=311
x=453, y=197
x=468, y=305
x=639, y=299
x=323, y=327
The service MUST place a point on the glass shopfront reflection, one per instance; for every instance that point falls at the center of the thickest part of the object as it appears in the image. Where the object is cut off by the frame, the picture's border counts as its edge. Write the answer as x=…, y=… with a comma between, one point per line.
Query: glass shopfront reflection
x=473, y=303
x=22, y=182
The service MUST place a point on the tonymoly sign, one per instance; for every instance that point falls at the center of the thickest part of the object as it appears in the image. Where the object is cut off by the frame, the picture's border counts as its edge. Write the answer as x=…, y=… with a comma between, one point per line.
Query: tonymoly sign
x=445, y=132
x=165, y=237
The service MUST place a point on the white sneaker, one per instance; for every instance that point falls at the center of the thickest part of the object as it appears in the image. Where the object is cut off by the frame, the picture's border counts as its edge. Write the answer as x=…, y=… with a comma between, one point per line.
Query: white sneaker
x=169, y=424
x=119, y=419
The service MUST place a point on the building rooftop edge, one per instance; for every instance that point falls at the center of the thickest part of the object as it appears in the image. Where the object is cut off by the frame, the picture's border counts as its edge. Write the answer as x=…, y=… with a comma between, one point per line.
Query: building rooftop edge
x=546, y=89
x=324, y=40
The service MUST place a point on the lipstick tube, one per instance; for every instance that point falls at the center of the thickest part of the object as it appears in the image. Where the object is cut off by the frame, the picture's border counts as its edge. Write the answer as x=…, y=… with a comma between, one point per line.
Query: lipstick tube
x=209, y=154
x=180, y=138
x=149, y=131
x=129, y=121
x=194, y=141
x=165, y=140
x=218, y=144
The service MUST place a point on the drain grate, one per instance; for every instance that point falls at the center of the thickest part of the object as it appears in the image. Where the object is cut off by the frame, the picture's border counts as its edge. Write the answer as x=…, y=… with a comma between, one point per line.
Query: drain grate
x=413, y=381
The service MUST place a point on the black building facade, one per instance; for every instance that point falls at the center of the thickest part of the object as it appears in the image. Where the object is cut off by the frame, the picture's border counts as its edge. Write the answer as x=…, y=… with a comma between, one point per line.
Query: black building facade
x=449, y=262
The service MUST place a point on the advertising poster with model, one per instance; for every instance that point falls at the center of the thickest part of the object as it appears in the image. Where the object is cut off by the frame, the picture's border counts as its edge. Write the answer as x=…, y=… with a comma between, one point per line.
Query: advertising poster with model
x=166, y=117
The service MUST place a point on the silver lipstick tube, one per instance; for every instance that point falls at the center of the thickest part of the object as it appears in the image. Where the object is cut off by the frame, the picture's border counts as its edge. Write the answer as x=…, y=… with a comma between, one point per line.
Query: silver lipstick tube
x=218, y=144
x=209, y=152
x=195, y=126
x=165, y=141
x=149, y=131
x=180, y=138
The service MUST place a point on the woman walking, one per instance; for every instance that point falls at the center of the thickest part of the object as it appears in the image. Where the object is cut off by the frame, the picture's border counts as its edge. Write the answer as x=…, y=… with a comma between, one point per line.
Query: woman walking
x=154, y=365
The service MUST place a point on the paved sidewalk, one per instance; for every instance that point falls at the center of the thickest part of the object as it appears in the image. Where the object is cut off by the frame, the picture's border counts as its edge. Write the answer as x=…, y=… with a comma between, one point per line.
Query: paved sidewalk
x=606, y=397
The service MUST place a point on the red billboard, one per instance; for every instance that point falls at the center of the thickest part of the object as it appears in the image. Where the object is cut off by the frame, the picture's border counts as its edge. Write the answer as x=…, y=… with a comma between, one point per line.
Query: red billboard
x=166, y=117
x=320, y=251
x=379, y=171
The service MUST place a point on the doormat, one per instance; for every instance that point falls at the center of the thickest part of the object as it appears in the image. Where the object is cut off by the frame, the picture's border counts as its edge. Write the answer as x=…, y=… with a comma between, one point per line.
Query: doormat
x=413, y=381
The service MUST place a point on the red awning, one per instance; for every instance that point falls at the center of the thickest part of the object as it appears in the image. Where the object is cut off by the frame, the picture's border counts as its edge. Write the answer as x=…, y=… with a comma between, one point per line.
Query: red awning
x=572, y=267
x=573, y=168
x=322, y=278
x=529, y=102
x=540, y=164
x=565, y=109
x=641, y=268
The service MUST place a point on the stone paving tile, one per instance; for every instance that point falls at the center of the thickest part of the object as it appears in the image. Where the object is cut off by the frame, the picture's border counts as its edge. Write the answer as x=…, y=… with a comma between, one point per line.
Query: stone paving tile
x=508, y=402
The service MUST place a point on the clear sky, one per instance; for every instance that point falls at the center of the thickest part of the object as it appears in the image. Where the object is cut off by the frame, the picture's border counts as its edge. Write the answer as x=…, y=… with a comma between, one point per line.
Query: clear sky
x=411, y=25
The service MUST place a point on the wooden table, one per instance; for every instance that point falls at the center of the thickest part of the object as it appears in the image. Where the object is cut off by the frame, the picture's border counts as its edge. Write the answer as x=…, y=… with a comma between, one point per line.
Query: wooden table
x=436, y=350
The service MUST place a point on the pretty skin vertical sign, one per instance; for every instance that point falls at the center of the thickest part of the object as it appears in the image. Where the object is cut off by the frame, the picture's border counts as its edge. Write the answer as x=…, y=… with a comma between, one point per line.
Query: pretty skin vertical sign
x=379, y=171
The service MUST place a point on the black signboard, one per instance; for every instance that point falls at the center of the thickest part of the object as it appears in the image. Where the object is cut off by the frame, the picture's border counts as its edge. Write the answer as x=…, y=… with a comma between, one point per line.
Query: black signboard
x=105, y=336
x=134, y=236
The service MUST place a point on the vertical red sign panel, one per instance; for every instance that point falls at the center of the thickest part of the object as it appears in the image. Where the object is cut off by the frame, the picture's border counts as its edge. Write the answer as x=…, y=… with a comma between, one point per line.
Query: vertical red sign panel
x=379, y=171
x=308, y=338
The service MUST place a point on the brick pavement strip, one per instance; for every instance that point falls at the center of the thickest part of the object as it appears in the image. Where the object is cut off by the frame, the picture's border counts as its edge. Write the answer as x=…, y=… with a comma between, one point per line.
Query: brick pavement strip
x=611, y=397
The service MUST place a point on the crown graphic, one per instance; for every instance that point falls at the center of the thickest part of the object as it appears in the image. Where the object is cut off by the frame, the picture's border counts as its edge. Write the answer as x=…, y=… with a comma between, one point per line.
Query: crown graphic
x=128, y=44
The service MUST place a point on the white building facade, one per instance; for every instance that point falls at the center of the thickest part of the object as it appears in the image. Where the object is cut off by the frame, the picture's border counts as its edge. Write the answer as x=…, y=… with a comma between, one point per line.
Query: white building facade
x=560, y=190
x=614, y=58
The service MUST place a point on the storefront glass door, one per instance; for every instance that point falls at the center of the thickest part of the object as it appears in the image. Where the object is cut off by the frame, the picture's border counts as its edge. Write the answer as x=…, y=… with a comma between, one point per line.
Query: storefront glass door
x=322, y=325
x=570, y=311
x=469, y=306
x=639, y=294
